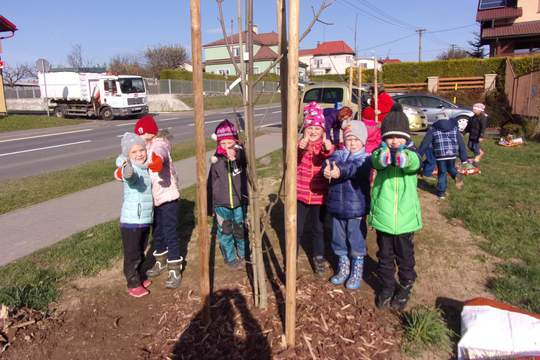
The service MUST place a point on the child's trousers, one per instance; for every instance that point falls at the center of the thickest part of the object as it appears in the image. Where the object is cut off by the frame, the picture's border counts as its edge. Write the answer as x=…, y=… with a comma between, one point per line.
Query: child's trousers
x=311, y=216
x=444, y=167
x=347, y=237
x=395, y=249
x=164, y=230
x=134, y=241
x=231, y=232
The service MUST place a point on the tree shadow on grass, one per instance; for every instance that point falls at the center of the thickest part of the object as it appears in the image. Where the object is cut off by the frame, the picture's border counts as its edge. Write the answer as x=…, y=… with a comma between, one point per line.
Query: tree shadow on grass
x=233, y=332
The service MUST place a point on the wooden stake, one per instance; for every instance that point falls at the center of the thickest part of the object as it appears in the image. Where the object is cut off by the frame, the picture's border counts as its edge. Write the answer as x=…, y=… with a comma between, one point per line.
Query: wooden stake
x=359, y=98
x=283, y=72
x=200, y=150
x=291, y=163
x=351, y=74
x=375, y=89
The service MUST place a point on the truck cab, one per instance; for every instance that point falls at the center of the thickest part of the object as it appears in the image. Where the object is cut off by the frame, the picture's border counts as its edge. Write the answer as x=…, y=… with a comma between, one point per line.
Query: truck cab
x=123, y=95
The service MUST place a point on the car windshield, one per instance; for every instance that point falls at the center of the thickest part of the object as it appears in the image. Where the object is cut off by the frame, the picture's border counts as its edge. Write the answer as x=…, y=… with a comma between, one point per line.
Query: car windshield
x=324, y=95
x=131, y=85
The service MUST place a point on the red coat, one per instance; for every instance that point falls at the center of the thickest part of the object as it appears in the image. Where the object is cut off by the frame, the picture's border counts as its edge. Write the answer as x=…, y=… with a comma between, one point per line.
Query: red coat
x=374, y=135
x=311, y=186
x=385, y=103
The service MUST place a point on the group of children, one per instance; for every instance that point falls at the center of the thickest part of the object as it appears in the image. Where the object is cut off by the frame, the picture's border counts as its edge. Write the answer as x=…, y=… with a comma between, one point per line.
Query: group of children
x=362, y=173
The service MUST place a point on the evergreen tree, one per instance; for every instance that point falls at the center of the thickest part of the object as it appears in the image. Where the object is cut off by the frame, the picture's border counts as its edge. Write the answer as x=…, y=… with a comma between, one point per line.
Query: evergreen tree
x=477, y=49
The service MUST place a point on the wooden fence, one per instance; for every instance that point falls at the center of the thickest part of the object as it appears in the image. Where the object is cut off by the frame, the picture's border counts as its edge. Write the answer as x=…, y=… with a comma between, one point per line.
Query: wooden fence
x=461, y=83
x=405, y=87
x=440, y=84
x=523, y=92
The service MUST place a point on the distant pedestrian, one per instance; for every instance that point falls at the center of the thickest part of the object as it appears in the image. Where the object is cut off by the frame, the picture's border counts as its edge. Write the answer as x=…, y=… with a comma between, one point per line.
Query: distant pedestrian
x=312, y=187
x=395, y=210
x=137, y=211
x=333, y=120
x=384, y=103
x=165, y=191
x=228, y=194
x=476, y=128
x=348, y=172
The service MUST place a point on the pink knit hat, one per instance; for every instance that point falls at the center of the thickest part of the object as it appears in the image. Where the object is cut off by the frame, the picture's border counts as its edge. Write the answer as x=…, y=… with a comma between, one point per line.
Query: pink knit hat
x=314, y=120
x=479, y=107
x=225, y=130
x=313, y=109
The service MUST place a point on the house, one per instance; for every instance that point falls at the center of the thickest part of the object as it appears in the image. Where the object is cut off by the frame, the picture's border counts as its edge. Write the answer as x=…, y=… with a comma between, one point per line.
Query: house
x=265, y=50
x=329, y=57
x=509, y=27
x=368, y=63
x=187, y=66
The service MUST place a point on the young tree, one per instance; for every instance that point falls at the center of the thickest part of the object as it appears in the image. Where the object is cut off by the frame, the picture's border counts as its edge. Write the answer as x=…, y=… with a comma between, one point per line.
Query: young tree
x=127, y=65
x=477, y=49
x=21, y=71
x=75, y=57
x=452, y=53
x=164, y=57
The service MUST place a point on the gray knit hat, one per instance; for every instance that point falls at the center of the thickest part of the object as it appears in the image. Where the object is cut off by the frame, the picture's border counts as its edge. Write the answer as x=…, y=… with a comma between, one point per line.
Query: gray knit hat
x=356, y=128
x=128, y=140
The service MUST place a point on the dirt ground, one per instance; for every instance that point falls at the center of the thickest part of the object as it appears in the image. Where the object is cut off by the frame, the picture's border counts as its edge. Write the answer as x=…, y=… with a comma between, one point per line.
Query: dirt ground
x=95, y=319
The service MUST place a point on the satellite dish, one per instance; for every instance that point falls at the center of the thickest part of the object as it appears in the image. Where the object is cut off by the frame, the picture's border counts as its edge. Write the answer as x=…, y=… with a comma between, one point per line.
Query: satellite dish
x=43, y=65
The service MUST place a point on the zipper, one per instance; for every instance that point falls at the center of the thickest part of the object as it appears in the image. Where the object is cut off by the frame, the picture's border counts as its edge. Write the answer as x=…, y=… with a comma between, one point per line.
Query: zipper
x=396, y=185
x=230, y=184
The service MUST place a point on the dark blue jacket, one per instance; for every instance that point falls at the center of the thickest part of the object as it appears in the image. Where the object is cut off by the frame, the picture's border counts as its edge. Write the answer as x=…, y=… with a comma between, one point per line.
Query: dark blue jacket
x=349, y=196
x=446, y=140
x=332, y=124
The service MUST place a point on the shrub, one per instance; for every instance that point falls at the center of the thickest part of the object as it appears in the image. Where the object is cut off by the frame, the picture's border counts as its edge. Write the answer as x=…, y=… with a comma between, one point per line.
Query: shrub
x=174, y=74
x=512, y=129
x=525, y=65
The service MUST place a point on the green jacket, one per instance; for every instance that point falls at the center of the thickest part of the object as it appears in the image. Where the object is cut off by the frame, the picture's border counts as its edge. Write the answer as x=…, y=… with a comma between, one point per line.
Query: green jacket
x=395, y=208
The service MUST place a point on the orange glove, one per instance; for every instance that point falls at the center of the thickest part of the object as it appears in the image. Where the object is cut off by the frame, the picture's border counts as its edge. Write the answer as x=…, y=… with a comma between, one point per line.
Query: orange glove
x=118, y=174
x=156, y=165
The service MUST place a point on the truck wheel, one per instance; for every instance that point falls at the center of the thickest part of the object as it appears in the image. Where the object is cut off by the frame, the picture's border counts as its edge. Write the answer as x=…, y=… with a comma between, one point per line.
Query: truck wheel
x=60, y=111
x=106, y=113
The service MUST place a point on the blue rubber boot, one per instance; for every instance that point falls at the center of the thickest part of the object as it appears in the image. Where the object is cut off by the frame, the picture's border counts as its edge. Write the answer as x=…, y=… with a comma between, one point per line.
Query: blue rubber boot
x=355, y=279
x=344, y=266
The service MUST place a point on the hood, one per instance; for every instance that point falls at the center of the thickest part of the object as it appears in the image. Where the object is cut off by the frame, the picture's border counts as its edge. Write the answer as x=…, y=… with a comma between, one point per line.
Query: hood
x=445, y=125
x=162, y=142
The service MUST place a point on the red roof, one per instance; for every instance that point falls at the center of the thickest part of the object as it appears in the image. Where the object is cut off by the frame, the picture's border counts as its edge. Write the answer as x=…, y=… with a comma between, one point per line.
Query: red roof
x=499, y=13
x=265, y=39
x=528, y=28
x=306, y=52
x=6, y=25
x=333, y=48
x=265, y=53
x=390, y=61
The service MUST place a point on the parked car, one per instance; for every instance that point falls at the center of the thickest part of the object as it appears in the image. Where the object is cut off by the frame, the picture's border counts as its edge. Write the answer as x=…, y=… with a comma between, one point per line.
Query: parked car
x=433, y=105
x=329, y=93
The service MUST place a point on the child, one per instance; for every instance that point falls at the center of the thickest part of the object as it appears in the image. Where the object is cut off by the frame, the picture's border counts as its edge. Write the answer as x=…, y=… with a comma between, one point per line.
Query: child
x=373, y=131
x=137, y=211
x=313, y=149
x=333, y=120
x=446, y=141
x=395, y=211
x=476, y=128
x=348, y=202
x=165, y=192
x=227, y=193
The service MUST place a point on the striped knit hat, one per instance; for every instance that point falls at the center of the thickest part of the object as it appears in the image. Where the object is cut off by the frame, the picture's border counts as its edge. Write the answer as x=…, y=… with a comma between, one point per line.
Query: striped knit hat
x=396, y=123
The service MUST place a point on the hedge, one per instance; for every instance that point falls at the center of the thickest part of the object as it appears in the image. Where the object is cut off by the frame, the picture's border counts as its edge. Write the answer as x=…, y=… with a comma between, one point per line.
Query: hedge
x=525, y=65
x=174, y=74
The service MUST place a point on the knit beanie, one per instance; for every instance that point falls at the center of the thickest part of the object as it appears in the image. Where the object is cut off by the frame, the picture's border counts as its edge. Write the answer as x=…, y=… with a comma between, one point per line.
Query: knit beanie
x=356, y=128
x=313, y=108
x=146, y=125
x=479, y=107
x=314, y=120
x=225, y=130
x=128, y=141
x=396, y=123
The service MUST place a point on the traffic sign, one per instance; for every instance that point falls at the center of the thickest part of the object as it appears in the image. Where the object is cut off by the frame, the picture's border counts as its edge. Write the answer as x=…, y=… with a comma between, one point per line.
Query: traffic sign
x=43, y=65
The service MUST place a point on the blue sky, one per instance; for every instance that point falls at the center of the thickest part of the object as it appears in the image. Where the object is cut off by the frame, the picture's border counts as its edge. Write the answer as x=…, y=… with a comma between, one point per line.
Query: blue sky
x=105, y=28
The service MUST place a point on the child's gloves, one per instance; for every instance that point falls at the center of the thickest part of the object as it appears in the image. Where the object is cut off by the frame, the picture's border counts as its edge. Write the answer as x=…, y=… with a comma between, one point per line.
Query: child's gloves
x=303, y=142
x=402, y=159
x=156, y=165
x=127, y=171
x=385, y=158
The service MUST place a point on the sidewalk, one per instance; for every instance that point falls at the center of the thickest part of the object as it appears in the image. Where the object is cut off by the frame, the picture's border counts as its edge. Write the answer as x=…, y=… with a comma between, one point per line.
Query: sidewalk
x=27, y=230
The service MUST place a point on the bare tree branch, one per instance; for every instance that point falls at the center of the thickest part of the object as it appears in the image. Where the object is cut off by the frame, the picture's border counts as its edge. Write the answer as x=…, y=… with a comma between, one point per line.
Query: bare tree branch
x=222, y=23
x=12, y=75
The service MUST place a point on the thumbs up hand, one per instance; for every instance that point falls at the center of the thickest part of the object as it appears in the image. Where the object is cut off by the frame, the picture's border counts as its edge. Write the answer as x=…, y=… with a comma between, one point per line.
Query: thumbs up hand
x=327, y=170
x=336, y=173
x=303, y=142
x=326, y=143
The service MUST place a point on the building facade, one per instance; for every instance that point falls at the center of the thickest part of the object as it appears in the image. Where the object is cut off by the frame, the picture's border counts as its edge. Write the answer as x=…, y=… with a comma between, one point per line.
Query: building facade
x=509, y=27
x=328, y=58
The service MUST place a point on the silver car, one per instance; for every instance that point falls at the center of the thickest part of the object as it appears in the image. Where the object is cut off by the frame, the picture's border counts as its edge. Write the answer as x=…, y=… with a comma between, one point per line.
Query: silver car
x=434, y=106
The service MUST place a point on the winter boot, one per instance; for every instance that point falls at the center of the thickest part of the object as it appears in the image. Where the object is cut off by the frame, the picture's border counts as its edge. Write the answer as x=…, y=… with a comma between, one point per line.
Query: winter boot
x=383, y=299
x=355, y=279
x=319, y=265
x=160, y=265
x=344, y=269
x=401, y=297
x=175, y=274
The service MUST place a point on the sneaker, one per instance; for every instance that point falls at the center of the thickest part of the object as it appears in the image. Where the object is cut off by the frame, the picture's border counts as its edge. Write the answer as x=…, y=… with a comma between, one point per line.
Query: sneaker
x=319, y=265
x=138, y=292
x=441, y=197
x=459, y=181
x=382, y=301
x=402, y=295
x=146, y=283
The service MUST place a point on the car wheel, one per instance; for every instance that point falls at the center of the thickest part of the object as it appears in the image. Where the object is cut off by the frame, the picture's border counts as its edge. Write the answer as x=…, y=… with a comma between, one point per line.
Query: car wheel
x=462, y=122
x=60, y=111
x=106, y=113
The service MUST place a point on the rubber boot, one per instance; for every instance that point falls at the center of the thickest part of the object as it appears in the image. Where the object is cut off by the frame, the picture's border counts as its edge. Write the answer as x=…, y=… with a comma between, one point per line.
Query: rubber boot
x=344, y=269
x=160, y=265
x=355, y=279
x=402, y=295
x=175, y=274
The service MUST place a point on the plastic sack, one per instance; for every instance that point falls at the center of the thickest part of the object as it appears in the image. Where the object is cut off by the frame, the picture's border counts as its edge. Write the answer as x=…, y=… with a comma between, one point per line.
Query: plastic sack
x=494, y=330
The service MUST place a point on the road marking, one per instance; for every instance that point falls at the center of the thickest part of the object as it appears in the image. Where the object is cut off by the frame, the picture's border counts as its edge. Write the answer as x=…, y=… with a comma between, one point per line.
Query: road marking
x=268, y=125
x=46, y=135
x=276, y=112
x=45, y=148
x=259, y=114
x=170, y=119
x=126, y=124
x=208, y=122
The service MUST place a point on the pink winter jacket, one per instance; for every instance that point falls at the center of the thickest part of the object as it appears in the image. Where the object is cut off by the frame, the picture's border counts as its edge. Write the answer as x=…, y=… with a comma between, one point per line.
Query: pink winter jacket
x=165, y=182
x=374, y=135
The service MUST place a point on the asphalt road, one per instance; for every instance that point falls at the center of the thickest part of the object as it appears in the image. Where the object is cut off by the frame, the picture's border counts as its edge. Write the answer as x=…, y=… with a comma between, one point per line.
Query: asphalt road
x=35, y=152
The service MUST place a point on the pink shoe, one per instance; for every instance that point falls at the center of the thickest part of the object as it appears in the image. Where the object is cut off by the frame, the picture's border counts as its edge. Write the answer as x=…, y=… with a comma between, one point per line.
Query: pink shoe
x=138, y=292
x=146, y=283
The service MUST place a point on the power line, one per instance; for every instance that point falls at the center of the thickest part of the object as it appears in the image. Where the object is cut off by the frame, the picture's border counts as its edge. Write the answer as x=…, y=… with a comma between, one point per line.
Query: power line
x=385, y=14
x=387, y=43
x=451, y=29
x=380, y=19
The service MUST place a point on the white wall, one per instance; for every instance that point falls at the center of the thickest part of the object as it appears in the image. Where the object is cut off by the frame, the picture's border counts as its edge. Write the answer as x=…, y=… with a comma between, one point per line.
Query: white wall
x=531, y=10
x=330, y=64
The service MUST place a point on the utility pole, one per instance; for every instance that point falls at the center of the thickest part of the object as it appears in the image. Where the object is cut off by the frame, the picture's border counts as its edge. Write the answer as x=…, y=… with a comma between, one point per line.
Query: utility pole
x=452, y=50
x=355, y=32
x=420, y=33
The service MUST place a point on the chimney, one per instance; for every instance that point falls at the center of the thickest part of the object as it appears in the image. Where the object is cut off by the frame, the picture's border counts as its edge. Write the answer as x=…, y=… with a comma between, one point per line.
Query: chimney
x=255, y=29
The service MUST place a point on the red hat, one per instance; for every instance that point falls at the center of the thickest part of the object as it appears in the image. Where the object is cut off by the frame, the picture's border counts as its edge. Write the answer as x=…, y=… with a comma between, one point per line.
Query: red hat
x=225, y=130
x=146, y=125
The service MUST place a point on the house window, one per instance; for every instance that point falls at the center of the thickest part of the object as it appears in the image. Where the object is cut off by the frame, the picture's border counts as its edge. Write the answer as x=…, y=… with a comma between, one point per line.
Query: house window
x=223, y=72
x=255, y=70
x=236, y=51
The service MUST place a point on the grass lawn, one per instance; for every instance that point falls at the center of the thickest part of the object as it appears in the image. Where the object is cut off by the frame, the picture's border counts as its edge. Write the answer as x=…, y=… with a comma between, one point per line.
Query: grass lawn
x=26, y=122
x=19, y=193
x=36, y=280
x=220, y=102
x=503, y=205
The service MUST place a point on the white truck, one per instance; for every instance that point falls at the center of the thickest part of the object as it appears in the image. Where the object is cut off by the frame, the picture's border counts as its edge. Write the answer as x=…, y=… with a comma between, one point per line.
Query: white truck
x=93, y=94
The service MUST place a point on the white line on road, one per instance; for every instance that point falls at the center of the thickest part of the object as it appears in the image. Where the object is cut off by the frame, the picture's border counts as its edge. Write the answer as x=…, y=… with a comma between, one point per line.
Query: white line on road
x=259, y=114
x=126, y=124
x=208, y=122
x=276, y=112
x=268, y=125
x=46, y=135
x=45, y=148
